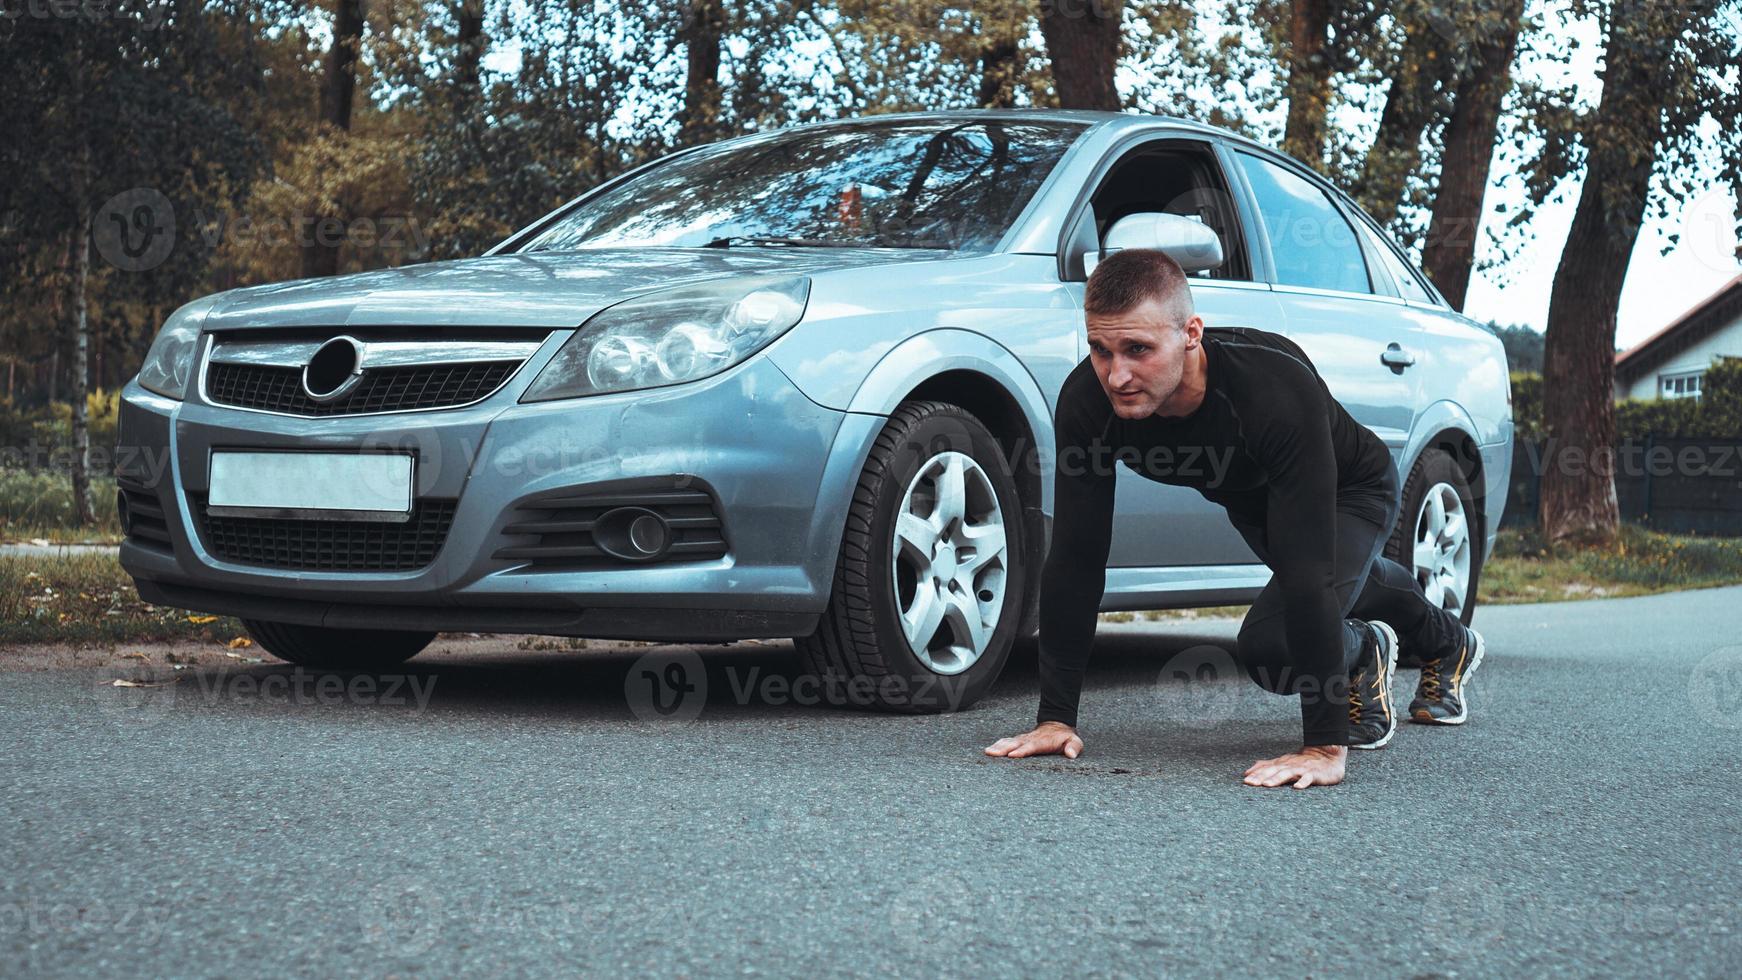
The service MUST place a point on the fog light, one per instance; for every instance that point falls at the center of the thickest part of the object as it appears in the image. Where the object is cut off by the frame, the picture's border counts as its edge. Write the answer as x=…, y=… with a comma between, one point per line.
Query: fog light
x=632, y=533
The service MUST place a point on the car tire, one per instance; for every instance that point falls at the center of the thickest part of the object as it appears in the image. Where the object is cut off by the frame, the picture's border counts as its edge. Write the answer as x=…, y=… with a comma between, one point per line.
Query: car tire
x=867, y=650
x=337, y=649
x=1436, y=476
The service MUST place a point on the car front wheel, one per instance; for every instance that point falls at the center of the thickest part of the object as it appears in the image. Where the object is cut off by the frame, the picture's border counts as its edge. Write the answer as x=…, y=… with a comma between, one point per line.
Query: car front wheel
x=337, y=649
x=925, y=602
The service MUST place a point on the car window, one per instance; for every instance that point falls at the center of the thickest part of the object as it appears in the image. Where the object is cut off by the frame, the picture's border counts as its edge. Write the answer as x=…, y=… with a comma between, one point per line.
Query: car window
x=936, y=183
x=1408, y=286
x=1310, y=241
x=1175, y=177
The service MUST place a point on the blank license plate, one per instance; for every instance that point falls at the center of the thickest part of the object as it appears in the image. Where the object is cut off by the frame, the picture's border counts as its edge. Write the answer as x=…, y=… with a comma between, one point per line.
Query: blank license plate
x=326, y=486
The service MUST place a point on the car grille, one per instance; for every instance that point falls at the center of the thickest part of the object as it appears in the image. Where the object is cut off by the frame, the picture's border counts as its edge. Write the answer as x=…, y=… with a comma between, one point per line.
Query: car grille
x=146, y=524
x=395, y=389
x=561, y=524
x=339, y=546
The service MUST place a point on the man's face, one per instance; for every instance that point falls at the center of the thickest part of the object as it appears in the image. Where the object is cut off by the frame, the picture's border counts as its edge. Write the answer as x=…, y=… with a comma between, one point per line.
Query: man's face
x=1139, y=356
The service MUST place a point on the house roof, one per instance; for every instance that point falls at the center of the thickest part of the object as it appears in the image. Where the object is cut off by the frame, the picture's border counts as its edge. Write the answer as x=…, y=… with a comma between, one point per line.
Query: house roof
x=1716, y=310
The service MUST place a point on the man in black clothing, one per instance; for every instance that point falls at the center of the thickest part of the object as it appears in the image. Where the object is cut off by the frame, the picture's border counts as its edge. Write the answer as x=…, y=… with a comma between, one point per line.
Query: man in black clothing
x=1312, y=491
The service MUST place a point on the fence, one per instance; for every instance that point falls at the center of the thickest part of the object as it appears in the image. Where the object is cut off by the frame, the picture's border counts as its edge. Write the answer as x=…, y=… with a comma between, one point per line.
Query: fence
x=1688, y=486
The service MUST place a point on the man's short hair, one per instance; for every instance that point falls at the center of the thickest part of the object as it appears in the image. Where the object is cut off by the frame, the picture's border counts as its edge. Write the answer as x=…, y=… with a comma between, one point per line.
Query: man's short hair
x=1130, y=277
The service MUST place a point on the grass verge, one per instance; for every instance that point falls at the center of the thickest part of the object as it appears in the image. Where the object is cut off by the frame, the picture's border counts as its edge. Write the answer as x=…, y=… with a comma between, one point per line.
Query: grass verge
x=1641, y=562
x=88, y=599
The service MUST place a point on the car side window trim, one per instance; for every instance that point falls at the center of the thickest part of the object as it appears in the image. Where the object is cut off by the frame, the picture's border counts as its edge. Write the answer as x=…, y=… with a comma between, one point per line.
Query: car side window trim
x=1438, y=301
x=1334, y=198
x=1257, y=240
x=1071, y=230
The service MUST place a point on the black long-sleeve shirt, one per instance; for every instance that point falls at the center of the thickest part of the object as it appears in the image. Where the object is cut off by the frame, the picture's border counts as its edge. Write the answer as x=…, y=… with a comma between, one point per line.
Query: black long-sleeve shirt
x=1269, y=443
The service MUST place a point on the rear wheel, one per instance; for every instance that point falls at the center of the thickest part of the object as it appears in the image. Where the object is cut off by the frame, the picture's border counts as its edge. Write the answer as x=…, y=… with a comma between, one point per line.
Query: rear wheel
x=337, y=649
x=1438, y=537
x=926, y=599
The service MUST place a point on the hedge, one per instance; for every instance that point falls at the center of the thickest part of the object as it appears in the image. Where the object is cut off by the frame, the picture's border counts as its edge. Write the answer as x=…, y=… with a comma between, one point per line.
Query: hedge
x=1716, y=414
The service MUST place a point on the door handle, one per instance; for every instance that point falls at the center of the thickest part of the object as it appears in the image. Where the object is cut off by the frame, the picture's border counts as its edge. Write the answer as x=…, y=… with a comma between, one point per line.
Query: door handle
x=1396, y=358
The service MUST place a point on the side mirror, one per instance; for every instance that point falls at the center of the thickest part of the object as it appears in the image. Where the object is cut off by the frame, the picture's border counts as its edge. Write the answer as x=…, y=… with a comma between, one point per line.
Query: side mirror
x=1187, y=241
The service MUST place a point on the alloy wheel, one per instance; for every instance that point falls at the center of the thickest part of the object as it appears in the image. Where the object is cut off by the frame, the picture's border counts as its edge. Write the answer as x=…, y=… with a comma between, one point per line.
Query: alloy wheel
x=950, y=562
x=1442, y=548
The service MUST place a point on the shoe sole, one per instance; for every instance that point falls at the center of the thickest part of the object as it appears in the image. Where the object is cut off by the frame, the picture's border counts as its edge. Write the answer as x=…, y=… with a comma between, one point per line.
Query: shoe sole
x=1423, y=717
x=1390, y=675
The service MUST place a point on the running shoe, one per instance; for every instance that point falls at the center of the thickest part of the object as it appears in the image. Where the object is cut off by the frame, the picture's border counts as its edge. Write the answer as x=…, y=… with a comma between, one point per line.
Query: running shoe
x=1372, y=713
x=1441, y=697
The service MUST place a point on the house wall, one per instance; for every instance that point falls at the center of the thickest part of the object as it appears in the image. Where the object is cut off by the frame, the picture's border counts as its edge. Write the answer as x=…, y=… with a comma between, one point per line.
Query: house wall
x=1725, y=341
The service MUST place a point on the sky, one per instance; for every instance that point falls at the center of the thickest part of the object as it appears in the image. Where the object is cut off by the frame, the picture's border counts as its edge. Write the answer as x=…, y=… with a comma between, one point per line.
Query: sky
x=1659, y=287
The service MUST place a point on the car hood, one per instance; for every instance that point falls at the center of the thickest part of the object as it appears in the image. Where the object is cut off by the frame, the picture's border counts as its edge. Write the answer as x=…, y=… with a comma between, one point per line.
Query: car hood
x=541, y=289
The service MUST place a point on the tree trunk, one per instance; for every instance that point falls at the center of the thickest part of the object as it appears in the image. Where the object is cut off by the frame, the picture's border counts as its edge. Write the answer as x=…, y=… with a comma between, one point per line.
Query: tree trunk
x=83, y=513
x=998, y=74
x=704, y=25
x=1411, y=103
x=320, y=253
x=1082, y=41
x=471, y=42
x=1578, y=485
x=1309, y=81
x=1469, y=150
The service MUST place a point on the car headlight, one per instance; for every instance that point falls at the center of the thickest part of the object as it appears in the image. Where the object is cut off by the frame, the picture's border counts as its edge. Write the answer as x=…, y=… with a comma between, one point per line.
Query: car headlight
x=170, y=361
x=671, y=337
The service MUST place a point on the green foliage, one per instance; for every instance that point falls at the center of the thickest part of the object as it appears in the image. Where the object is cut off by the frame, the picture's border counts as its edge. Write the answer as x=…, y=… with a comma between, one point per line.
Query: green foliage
x=1523, y=347
x=1527, y=405
x=39, y=503
x=1716, y=414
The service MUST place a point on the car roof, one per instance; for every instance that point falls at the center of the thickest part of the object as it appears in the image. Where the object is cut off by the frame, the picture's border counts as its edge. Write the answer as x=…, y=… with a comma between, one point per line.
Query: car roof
x=1088, y=117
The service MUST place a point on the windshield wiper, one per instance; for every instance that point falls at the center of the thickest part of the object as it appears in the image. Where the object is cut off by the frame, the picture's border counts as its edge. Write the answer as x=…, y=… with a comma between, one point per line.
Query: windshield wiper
x=730, y=240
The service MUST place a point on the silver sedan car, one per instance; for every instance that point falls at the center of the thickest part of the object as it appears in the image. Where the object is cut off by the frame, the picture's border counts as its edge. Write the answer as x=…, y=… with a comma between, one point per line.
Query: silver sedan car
x=796, y=384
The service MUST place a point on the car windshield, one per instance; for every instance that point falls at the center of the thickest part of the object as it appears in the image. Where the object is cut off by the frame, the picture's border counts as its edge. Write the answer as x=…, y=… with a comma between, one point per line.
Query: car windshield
x=943, y=184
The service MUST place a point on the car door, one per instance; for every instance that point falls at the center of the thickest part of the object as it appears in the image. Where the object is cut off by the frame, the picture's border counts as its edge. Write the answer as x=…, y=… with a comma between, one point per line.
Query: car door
x=1338, y=308
x=1156, y=524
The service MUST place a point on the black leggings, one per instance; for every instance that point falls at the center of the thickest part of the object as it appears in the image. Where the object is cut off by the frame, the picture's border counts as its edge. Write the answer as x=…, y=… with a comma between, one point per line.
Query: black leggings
x=1369, y=587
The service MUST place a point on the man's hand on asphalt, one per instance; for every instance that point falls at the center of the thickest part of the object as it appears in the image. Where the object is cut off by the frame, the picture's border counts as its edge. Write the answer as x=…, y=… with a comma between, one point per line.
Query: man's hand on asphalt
x=1047, y=738
x=1313, y=765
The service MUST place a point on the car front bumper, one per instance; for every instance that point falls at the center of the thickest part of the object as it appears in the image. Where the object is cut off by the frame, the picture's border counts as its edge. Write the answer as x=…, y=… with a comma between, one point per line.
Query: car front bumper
x=780, y=470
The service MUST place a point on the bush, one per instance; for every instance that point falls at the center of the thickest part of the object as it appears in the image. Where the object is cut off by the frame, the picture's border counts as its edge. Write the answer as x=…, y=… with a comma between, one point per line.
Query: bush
x=1716, y=414
x=46, y=431
x=35, y=500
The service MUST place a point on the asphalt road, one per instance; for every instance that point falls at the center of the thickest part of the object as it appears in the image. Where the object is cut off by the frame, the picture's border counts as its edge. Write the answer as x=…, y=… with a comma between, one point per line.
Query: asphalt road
x=532, y=817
